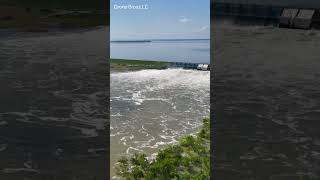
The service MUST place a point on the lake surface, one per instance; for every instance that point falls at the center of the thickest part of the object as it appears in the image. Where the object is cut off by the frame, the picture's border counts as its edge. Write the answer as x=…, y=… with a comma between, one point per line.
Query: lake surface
x=193, y=51
x=153, y=108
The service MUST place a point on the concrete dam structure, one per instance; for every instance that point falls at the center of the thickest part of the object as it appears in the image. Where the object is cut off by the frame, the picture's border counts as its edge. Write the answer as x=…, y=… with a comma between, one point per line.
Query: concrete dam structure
x=293, y=14
x=198, y=66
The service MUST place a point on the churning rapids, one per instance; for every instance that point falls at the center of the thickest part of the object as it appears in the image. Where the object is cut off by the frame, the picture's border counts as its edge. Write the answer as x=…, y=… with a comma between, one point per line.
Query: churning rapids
x=153, y=108
x=53, y=99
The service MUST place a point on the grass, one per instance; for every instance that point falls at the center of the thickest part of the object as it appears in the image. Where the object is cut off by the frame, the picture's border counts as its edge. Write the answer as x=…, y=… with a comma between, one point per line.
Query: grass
x=52, y=13
x=125, y=65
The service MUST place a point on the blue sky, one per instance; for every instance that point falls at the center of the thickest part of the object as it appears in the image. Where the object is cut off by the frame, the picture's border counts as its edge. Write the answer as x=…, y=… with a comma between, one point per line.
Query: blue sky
x=164, y=19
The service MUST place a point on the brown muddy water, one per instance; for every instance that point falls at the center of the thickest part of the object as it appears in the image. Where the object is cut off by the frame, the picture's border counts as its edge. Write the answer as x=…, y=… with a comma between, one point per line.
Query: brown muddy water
x=53, y=107
x=266, y=99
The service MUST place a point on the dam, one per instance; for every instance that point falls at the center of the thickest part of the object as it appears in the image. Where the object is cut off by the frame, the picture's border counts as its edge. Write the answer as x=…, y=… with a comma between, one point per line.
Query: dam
x=293, y=14
x=198, y=66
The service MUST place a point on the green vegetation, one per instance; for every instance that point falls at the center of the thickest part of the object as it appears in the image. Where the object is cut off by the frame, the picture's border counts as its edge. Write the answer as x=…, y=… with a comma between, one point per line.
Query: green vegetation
x=125, y=65
x=189, y=159
x=33, y=14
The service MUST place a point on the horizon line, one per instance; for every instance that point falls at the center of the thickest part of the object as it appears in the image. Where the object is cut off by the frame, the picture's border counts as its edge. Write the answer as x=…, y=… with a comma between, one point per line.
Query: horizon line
x=158, y=39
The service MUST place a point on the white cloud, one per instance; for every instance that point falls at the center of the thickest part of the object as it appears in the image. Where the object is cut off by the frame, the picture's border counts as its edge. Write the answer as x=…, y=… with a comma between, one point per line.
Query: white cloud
x=203, y=28
x=184, y=19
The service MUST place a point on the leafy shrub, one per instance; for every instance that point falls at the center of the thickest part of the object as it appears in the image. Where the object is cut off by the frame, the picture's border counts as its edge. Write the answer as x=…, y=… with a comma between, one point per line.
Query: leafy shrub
x=189, y=159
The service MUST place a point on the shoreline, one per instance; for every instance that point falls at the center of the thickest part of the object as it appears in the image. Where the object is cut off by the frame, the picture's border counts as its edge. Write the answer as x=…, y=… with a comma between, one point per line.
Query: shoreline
x=123, y=65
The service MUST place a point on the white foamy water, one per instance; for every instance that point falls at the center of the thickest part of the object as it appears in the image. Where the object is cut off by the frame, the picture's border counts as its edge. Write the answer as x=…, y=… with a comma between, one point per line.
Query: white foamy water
x=153, y=108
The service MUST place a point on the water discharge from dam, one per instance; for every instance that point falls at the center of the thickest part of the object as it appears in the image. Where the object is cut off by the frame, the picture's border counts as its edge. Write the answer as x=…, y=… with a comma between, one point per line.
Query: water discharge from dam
x=152, y=108
x=53, y=113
